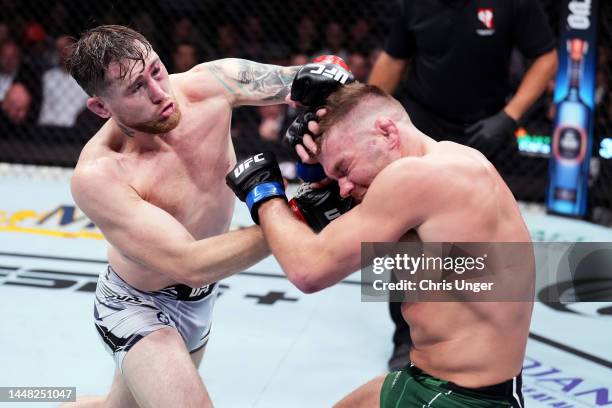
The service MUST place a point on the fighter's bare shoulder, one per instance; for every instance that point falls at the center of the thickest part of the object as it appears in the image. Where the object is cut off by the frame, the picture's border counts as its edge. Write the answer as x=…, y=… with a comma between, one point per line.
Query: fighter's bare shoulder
x=410, y=174
x=424, y=184
x=95, y=174
x=466, y=166
x=403, y=184
x=100, y=145
x=99, y=166
x=199, y=83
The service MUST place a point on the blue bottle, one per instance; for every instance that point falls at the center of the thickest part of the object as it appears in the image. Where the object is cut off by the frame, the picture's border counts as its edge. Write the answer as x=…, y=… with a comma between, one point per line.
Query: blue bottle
x=569, y=164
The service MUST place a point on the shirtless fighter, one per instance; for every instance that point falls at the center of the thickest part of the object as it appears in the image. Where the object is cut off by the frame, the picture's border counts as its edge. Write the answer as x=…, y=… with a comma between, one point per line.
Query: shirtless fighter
x=464, y=354
x=152, y=179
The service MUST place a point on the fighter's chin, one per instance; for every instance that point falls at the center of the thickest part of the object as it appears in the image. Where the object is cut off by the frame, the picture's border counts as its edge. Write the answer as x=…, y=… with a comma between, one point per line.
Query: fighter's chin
x=159, y=126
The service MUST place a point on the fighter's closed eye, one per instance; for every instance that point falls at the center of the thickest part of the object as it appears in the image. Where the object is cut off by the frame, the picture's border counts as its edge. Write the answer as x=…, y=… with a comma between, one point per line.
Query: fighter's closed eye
x=137, y=87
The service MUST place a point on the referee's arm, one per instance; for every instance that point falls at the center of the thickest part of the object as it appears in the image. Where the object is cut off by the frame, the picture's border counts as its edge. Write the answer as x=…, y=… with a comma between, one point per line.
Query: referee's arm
x=387, y=72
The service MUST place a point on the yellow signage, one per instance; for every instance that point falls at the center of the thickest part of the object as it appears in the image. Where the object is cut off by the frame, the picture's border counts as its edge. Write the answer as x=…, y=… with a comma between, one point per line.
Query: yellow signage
x=64, y=221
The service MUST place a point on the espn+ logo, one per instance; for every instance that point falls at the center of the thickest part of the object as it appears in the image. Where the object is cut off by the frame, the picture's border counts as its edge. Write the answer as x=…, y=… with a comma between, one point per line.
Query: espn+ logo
x=579, y=13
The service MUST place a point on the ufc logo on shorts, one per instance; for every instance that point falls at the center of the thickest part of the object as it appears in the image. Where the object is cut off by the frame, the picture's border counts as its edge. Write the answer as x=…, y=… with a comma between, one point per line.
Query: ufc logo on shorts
x=127, y=299
x=198, y=291
x=245, y=164
x=339, y=75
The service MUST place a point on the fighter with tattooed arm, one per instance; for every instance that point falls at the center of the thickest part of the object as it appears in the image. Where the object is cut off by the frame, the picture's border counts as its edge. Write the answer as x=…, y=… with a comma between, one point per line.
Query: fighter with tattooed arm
x=152, y=179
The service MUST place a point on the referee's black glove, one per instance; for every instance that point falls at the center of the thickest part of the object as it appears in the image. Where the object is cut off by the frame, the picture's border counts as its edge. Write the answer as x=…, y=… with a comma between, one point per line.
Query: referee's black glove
x=489, y=134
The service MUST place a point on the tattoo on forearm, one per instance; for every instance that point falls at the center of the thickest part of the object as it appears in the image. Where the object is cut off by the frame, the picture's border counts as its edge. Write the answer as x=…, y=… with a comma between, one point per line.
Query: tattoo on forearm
x=259, y=81
x=267, y=82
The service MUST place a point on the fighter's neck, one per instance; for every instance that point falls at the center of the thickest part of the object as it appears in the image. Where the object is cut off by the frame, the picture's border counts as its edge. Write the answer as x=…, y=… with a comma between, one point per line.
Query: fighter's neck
x=416, y=144
x=134, y=140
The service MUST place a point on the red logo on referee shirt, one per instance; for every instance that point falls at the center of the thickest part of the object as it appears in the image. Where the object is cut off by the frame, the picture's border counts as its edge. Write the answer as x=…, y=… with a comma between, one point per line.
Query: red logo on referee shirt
x=485, y=15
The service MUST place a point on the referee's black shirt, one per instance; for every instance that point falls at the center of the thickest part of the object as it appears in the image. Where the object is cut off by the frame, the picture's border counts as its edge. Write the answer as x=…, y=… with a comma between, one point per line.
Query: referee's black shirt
x=461, y=50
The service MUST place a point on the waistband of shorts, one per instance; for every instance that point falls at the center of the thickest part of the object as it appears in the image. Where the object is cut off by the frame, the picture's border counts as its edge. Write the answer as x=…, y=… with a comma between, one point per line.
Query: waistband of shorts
x=503, y=390
x=176, y=292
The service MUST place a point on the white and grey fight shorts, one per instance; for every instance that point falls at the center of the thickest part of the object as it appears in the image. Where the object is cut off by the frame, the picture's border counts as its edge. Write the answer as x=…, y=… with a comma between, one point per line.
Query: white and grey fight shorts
x=124, y=315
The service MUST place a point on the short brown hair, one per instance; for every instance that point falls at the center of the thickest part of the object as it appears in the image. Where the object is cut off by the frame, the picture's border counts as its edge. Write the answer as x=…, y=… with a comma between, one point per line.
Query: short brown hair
x=343, y=101
x=98, y=48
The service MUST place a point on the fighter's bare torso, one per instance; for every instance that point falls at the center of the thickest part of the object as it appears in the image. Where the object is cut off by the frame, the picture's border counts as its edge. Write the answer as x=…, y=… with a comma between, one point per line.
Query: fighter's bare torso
x=181, y=172
x=471, y=343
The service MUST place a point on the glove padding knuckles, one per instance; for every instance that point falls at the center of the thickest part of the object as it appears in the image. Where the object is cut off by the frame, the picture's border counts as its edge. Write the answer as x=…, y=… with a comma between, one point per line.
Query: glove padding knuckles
x=295, y=136
x=312, y=84
x=256, y=180
x=315, y=81
x=299, y=127
x=317, y=207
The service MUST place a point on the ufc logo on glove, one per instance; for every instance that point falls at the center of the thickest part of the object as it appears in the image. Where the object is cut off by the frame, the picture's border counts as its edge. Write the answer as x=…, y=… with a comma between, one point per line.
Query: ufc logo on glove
x=339, y=75
x=245, y=164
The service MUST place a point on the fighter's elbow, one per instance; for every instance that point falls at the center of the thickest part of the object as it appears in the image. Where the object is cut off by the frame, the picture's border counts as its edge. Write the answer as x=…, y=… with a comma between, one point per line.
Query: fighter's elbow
x=196, y=281
x=183, y=275
x=307, y=286
x=306, y=281
x=196, y=277
x=197, y=266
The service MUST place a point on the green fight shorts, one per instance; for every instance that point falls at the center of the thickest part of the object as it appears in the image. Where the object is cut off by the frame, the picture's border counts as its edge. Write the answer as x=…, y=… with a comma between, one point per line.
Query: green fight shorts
x=413, y=388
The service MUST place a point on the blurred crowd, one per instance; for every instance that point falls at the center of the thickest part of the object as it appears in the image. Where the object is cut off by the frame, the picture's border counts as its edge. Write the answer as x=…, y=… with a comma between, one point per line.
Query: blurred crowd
x=38, y=97
x=37, y=94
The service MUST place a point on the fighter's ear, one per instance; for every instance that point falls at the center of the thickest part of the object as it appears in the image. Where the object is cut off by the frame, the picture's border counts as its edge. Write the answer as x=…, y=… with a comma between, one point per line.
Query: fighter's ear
x=387, y=128
x=97, y=106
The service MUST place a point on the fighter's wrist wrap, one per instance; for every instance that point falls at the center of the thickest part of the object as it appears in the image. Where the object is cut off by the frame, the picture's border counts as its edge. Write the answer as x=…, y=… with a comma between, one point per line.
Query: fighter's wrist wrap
x=262, y=193
x=310, y=173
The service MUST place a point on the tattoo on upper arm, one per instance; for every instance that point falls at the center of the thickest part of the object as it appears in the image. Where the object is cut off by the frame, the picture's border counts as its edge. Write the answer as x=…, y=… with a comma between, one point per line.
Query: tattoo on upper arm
x=257, y=81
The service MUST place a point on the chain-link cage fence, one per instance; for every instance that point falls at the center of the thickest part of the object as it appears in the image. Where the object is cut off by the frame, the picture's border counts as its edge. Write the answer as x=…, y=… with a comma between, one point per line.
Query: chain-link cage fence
x=46, y=122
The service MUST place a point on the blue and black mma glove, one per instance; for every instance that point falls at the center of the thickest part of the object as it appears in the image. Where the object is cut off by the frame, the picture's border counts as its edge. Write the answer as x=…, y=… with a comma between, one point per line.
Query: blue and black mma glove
x=312, y=84
x=256, y=180
x=317, y=207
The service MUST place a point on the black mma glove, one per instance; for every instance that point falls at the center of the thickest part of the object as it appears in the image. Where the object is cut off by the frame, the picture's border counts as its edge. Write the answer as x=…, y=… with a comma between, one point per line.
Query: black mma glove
x=317, y=207
x=315, y=81
x=312, y=84
x=299, y=127
x=294, y=136
x=490, y=133
x=256, y=180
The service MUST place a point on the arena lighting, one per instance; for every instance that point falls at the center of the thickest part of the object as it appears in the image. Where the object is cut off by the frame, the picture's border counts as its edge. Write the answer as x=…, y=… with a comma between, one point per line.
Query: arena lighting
x=539, y=145
x=605, y=148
